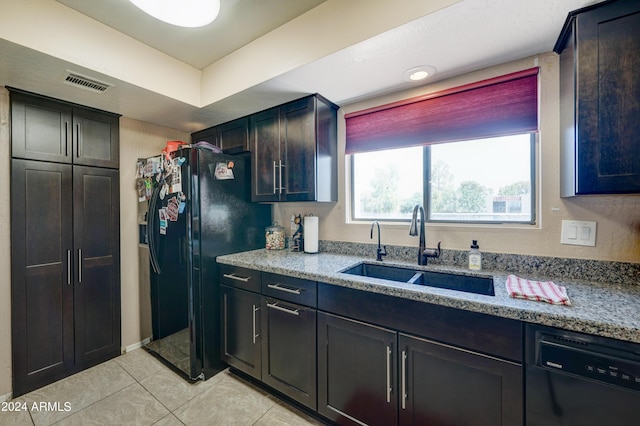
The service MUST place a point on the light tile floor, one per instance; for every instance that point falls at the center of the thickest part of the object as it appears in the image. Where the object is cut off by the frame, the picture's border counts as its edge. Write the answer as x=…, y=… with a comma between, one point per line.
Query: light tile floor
x=137, y=389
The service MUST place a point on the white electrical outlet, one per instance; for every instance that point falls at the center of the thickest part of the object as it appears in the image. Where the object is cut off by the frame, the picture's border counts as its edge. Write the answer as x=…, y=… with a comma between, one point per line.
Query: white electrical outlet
x=578, y=233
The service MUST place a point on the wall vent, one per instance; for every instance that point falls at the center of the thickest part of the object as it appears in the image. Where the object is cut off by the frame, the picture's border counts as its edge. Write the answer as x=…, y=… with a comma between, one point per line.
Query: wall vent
x=87, y=83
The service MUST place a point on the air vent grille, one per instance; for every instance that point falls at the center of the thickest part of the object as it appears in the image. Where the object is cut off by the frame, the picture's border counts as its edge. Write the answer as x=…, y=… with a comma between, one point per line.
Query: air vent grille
x=87, y=83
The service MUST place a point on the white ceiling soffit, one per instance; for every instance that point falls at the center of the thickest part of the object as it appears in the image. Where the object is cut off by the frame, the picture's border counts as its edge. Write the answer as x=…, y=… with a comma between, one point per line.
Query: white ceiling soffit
x=335, y=54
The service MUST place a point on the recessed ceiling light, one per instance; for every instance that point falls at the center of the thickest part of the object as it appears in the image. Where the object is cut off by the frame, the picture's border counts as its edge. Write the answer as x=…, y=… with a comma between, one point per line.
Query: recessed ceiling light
x=183, y=13
x=418, y=73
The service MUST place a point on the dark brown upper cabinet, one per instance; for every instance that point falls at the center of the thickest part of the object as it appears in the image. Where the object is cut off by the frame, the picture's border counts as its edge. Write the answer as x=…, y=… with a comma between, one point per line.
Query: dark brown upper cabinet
x=294, y=152
x=599, y=49
x=231, y=137
x=45, y=129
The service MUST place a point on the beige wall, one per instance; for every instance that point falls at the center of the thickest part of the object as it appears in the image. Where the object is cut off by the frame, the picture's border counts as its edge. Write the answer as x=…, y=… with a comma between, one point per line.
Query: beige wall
x=137, y=140
x=5, y=247
x=617, y=217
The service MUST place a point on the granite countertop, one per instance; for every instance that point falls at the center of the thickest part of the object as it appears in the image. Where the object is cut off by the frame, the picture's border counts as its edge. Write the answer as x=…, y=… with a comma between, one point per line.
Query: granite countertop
x=600, y=308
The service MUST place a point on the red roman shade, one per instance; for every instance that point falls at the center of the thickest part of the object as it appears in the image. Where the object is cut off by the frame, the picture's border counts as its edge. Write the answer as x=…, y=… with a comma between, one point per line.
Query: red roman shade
x=495, y=107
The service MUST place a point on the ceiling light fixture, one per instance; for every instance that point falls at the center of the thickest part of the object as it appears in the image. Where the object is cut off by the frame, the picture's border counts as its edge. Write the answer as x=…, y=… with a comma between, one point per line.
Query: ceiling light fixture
x=183, y=13
x=418, y=73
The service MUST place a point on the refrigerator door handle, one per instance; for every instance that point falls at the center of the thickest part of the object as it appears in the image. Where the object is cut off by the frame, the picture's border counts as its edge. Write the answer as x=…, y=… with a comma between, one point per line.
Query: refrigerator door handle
x=151, y=226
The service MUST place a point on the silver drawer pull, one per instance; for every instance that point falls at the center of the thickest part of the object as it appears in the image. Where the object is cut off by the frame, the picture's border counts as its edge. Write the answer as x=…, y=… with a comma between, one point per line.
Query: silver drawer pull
x=281, y=287
x=283, y=309
x=236, y=277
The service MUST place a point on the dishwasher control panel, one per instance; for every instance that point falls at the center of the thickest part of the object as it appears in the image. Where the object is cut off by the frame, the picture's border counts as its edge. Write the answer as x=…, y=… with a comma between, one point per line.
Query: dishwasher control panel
x=601, y=363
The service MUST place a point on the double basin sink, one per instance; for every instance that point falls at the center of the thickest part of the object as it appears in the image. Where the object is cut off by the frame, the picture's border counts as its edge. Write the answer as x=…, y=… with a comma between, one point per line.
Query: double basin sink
x=449, y=281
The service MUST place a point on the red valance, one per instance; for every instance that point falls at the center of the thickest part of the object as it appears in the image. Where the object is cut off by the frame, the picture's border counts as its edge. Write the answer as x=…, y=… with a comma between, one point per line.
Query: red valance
x=495, y=107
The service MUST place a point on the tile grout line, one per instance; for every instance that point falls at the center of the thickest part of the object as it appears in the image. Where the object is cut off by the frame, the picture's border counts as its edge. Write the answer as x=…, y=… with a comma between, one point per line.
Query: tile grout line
x=92, y=404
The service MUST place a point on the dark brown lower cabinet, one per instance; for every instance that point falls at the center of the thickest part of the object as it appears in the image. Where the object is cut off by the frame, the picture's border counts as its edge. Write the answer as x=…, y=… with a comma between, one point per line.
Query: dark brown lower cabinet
x=241, y=331
x=65, y=286
x=445, y=385
x=289, y=349
x=357, y=372
x=376, y=376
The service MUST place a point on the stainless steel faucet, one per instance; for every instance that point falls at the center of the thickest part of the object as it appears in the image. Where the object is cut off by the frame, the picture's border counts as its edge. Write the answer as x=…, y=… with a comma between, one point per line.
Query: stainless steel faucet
x=423, y=252
x=379, y=252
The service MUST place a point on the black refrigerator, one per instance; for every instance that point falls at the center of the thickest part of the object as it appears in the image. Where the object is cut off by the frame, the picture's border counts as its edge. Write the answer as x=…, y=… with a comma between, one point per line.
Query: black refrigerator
x=202, y=212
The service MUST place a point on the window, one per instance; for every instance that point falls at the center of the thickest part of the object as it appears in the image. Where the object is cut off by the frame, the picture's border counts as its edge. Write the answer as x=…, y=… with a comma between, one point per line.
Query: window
x=387, y=184
x=478, y=181
x=487, y=180
x=465, y=153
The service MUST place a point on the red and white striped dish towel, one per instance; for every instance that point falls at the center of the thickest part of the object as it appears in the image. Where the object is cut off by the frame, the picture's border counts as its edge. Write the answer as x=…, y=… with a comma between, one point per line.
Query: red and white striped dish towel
x=544, y=291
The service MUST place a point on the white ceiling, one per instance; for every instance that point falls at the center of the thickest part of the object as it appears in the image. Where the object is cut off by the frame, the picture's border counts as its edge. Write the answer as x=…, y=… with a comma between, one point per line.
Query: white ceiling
x=239, y=23
x=466, y=36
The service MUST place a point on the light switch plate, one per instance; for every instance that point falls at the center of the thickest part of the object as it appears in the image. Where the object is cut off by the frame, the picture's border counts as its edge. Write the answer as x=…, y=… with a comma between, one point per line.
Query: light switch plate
x=578, y=233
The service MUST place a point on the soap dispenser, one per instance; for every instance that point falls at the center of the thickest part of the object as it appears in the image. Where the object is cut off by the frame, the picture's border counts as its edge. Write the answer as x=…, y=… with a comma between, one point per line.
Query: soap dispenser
x=475, y=257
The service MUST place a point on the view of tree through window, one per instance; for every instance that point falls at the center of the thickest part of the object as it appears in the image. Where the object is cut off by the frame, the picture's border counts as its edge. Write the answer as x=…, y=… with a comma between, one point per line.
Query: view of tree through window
x=487, y=180
x=387, y=184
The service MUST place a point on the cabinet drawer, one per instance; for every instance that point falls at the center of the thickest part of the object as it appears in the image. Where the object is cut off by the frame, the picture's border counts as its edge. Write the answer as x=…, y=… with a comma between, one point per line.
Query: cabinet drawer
x=296, y=290
x=246, y=279
x=480, y=332
x=289, y=349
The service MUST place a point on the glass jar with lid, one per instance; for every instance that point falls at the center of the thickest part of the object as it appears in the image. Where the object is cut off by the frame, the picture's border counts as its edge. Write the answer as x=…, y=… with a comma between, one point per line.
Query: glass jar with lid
x=274, y=236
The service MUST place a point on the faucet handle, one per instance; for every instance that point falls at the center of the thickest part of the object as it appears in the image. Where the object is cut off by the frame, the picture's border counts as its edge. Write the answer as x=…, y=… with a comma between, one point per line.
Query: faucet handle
x=381, y=252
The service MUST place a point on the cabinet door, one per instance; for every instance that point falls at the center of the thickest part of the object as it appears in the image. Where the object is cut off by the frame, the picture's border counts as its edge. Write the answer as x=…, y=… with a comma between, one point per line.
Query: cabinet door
x=241, y=330
x=97, y=250
x=209, y=135
x=265, y=156
x=289, y=349
x=95, y=138
x=41, y=129
x=356, y=372
x=41, y=273
x=607, y=109
x=444, y=385
x=234, y=135
x=298, y=150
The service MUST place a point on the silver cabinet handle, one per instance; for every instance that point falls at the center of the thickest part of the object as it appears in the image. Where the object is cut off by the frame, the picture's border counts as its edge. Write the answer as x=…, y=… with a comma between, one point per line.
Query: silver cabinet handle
x=278, y=286
x=274, y=176
x=404, y=380
x=283, y=309
x=79, y=266
x=68, y=267
x=255, y=336
x=77, y=139
x=388, y=374
x=281, y=184
x=66, y=138
x=236, y=277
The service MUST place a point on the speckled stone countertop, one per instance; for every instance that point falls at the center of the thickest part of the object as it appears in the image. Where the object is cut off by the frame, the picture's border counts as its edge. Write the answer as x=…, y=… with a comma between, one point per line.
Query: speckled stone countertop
x=607, y=309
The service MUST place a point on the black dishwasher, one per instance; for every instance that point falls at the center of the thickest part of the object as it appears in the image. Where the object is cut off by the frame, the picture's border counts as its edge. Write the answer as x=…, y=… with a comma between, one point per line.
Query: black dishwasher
x=575, y=379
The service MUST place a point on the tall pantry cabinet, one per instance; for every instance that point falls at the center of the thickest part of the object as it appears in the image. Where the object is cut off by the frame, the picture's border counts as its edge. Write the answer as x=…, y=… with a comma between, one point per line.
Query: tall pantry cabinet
x=65, y=239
